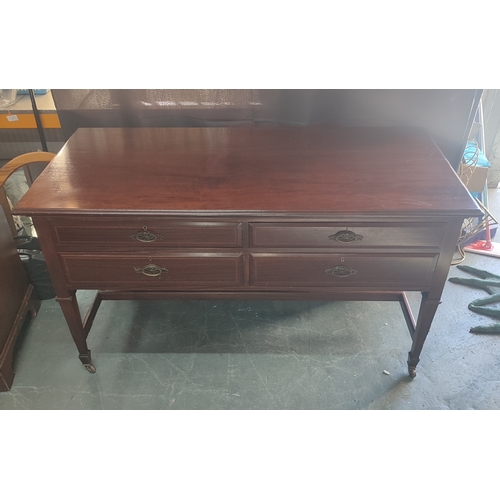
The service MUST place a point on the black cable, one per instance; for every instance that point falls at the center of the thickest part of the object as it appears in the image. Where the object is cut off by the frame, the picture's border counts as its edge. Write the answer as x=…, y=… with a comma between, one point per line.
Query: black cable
x=38, y=120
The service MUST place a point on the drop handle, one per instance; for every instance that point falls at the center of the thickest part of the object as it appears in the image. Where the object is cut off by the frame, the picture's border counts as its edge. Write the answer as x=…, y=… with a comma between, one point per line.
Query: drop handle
x=151, y=270
x=345, y=236
x=341, y=271
x=146, y=236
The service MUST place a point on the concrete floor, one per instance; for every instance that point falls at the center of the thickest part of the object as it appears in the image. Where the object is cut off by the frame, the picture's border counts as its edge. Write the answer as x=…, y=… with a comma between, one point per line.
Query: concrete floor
x=234, y=355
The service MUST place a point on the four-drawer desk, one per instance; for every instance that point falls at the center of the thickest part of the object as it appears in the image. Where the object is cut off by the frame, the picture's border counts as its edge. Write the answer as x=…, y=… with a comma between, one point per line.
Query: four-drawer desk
x=315, y=213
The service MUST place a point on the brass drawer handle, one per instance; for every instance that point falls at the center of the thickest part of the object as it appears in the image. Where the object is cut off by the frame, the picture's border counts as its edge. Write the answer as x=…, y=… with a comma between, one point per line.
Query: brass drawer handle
x=146, y=236
x=341, y=271
x=345, y=236
x=150, y=270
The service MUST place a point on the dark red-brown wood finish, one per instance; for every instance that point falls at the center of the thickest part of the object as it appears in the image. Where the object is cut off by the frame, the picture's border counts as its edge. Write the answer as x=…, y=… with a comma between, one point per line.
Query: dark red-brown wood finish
x=279, y=213
x=17, y=300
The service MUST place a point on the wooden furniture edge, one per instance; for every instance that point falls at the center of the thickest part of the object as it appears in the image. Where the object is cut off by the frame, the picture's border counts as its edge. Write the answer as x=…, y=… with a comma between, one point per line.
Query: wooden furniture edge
x=31, y=305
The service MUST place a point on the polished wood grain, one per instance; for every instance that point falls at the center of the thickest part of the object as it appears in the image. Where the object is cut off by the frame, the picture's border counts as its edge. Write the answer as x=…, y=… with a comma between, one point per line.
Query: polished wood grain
x=313, y=213
x=251, y=170
x=361, y=235
x=133, y=232
x=388, y=272
x=187, y=270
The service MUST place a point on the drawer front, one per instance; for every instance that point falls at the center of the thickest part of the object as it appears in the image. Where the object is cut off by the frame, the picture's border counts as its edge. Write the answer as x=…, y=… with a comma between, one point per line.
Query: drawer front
x=406, y=272
x=130, y=233
x=344, y=237
x=175, y=270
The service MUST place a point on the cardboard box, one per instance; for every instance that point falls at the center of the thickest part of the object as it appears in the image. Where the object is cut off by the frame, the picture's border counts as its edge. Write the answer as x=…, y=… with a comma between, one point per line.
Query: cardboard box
x=477, y=180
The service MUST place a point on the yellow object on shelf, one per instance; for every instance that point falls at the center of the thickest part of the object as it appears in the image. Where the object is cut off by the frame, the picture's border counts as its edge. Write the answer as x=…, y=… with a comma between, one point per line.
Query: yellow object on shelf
x=19, y=113
x=27, y=120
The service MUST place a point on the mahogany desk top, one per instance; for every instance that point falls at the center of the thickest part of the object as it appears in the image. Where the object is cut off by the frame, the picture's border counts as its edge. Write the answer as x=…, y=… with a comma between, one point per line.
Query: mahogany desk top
x=252, y=170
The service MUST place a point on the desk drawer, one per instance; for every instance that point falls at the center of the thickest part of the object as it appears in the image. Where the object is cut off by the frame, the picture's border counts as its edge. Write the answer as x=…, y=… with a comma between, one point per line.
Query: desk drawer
x=336, y=236
x=406, y=272
x=128, y=233
x=172, y=270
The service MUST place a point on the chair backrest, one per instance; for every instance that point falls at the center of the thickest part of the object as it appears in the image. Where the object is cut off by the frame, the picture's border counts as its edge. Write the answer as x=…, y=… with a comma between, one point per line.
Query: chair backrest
x=9, y=168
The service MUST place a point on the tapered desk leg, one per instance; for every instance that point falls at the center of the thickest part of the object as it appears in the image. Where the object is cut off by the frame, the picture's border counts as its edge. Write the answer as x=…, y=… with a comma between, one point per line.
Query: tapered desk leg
x=71, y=311
x=428, y=308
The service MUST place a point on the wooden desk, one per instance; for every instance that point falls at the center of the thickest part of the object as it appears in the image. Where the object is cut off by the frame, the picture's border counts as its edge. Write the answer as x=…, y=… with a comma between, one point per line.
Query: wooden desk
x=249, y=213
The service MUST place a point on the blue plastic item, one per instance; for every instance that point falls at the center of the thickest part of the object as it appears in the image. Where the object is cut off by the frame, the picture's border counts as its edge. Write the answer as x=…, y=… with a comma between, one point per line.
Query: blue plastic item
x=471, y=151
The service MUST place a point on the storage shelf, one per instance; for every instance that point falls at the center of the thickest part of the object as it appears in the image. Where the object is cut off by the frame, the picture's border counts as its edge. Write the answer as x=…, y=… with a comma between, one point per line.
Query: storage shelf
x=20, y=114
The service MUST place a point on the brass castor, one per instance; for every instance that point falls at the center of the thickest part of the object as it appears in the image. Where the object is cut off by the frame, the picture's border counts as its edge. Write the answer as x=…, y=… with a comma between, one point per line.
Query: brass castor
x=90, y=368
x=412, y=371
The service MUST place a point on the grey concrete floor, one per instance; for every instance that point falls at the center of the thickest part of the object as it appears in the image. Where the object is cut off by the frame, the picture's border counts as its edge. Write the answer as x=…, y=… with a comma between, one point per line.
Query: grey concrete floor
x=235, y=355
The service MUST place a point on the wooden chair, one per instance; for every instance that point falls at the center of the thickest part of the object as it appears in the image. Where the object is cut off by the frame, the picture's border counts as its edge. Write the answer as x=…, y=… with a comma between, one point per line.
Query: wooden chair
x=17, y=296
x=12, y=166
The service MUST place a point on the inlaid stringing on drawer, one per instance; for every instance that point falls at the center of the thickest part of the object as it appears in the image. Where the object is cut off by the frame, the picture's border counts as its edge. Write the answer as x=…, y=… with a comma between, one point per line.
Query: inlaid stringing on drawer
x=336, y=270
x=156, y=270
x=130, y=233
x=318, y=235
